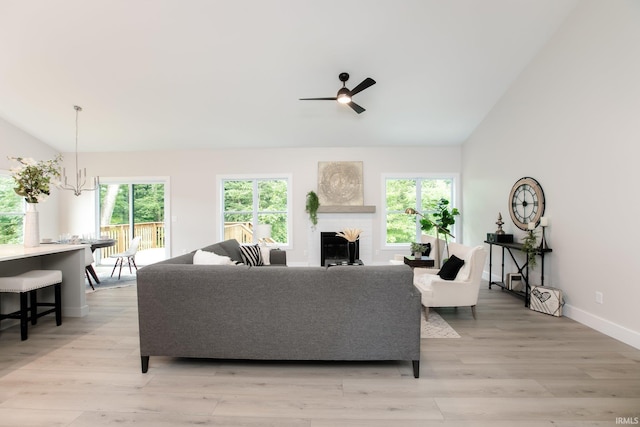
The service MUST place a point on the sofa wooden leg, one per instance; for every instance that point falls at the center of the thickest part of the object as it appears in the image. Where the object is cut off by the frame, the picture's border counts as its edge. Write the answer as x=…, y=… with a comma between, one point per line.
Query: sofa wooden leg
x=426, y=312
x=473, y=311
x=145, y=363
x=416, y=368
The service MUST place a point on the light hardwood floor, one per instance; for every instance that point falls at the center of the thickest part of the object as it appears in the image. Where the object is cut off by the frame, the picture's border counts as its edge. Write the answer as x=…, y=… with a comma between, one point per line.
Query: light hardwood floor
x=510, y=367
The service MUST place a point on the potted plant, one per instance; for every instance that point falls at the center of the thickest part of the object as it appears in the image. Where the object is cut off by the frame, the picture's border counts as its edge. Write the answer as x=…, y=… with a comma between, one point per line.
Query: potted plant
x=33, y=181
x=441, y=220
x=417, y=249
x=311, y=207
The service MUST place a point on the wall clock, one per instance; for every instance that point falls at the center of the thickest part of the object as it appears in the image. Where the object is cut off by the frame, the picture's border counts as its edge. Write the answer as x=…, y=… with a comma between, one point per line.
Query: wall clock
x=526, y=202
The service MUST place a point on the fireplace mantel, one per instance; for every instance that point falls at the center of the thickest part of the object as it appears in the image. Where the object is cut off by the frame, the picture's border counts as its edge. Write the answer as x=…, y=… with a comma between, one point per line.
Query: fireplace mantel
x=346, y=209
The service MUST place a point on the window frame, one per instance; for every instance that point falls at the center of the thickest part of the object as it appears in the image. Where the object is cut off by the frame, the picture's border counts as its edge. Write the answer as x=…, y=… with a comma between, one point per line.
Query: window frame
x=255, y=177
x=454, y=203
x=136, y=180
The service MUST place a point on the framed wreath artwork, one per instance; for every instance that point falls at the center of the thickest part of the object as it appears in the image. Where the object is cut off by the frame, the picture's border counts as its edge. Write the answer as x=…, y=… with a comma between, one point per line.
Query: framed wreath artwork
x=340, y=184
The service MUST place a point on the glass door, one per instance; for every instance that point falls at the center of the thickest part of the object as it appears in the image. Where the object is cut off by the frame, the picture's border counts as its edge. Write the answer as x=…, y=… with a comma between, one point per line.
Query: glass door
x=129, y=210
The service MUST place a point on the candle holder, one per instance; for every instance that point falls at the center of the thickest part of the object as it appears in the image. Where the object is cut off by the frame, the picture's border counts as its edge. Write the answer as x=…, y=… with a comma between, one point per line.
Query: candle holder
x=544, y=223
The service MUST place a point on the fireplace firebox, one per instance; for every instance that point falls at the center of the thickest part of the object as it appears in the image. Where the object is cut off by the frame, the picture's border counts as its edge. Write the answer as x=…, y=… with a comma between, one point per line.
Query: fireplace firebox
x=334, y=247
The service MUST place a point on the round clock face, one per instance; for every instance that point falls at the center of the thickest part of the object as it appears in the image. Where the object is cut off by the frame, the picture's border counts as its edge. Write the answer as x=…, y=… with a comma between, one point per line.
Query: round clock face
x=526, y=202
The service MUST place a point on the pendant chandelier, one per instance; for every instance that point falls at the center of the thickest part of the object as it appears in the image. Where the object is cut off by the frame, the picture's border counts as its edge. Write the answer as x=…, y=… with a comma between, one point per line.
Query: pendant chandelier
x=81, y=174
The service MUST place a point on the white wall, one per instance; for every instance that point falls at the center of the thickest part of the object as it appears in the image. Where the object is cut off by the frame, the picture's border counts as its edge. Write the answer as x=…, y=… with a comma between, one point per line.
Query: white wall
x=16, y=143
x=572, y=121
x=194, y=195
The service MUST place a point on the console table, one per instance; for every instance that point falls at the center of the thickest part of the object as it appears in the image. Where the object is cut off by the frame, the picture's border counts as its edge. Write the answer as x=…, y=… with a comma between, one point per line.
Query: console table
x=522, y=269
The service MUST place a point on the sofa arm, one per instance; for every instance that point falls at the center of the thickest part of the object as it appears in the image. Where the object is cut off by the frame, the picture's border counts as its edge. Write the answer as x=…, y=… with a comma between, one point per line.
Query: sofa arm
x=278, y=257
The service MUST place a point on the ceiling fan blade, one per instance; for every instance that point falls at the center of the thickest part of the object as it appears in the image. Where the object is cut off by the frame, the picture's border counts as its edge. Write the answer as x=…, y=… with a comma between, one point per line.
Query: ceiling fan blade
x=362, y=86
x=318, y=99
x=358, y=109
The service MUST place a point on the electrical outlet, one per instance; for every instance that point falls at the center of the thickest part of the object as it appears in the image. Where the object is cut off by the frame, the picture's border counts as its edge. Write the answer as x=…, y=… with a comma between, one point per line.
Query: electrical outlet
x=599, y=297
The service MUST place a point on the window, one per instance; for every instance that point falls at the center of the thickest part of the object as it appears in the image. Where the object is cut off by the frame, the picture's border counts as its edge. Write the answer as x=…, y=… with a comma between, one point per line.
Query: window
x=420, y=193
x=11, y=212
x=135, y=207
x=250, y=201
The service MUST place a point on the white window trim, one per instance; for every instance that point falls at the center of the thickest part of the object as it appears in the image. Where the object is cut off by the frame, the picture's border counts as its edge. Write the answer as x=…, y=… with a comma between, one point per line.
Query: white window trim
x=455, y=177
x=228, y=177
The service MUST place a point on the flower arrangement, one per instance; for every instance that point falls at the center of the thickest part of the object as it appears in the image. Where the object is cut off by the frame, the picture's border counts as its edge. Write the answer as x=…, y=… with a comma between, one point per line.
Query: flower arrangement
x=33, y=178
x=350, y=234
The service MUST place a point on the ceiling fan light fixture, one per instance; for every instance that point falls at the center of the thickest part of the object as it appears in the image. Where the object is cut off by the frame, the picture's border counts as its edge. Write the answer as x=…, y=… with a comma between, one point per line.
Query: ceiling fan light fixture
x=343, y=96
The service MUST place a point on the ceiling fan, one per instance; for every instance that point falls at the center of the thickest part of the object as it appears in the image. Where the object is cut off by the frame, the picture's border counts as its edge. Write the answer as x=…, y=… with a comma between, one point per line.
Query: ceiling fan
x=344, y=95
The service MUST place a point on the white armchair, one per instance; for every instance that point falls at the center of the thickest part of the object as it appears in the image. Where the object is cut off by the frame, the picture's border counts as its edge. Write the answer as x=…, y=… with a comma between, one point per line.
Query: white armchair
x=437, y=248
x=460, y=292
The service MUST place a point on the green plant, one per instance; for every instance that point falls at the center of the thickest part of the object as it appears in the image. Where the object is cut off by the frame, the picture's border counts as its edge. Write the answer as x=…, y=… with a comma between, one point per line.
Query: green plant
x=311, y=207
x=530, y=247
x=418, y=247
x=33, y=178
x=441, y=219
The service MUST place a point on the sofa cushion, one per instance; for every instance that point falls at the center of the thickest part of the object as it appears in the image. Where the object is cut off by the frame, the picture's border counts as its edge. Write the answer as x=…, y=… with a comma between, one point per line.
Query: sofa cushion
x=210, y=258
x=251, y=255
x=230, y=248
x=450, y=268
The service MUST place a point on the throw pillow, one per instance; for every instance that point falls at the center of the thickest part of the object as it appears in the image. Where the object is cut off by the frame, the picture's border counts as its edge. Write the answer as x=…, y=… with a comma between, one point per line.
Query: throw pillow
x=428, y=250
x=251, y=255
x=209, y=258
x=265, y=251
x=450, y=268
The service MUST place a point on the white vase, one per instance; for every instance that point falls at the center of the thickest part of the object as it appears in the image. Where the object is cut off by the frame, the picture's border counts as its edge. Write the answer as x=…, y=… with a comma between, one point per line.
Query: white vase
x=31, y=226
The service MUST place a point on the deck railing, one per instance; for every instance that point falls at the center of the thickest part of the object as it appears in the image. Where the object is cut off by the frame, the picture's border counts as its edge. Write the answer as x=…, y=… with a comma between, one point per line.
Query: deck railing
x=152, y=234
x=241, y=231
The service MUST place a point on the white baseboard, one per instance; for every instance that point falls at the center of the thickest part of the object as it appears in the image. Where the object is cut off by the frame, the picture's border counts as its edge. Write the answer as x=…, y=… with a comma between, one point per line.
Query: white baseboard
x=613, y=330
x=605, y=326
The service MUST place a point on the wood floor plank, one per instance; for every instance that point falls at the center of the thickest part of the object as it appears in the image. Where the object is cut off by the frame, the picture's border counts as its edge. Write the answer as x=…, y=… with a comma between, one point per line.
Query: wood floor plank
x=541, y=409
x=511, y=366
x=416, y=408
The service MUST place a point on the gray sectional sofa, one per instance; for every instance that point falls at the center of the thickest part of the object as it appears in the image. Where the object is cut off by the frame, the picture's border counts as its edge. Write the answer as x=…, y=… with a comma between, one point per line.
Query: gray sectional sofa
x=340, y=313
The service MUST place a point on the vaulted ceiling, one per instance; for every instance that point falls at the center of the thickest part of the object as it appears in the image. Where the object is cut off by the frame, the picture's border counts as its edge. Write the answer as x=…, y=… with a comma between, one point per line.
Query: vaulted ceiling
x=198, y=74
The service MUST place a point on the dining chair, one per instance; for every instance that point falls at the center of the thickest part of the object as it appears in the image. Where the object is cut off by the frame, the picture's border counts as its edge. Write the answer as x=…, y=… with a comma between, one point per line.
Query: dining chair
x=88, y=267
x=129, y=254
